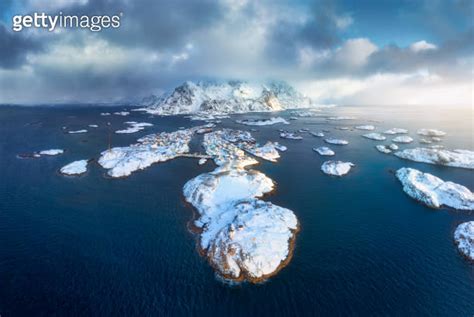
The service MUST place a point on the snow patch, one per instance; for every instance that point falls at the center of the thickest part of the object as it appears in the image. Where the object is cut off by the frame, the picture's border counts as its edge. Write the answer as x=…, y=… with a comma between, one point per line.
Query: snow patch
x=433, y=191
x=455, y=158
x=336, y=168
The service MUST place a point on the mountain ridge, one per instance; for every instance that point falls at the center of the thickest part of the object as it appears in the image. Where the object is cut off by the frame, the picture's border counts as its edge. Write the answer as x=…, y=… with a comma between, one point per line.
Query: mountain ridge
x=226, y=98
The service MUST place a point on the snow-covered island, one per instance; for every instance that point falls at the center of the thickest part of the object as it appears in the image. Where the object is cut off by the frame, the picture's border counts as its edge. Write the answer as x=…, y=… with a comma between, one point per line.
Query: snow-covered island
x=242, y=236
x=51, y=152
x=336, y=141
x=75, y=168
x=122, y=113
x=396, y=131
x=77, y=131
x=365, y=127
x=383, y=148
x=336, y=168
x=464, y=239
x=317, y=134
x=34, y=155
x=433, y=191
x=153, y=148
x=290, y=135
x=404, y=139
x=387, y=149
x=262, y=122
x=374, y=136
x=324, y=151
x=454, y=158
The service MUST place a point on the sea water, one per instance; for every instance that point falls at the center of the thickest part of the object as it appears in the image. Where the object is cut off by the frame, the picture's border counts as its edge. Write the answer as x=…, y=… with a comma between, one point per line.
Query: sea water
x=93, y=245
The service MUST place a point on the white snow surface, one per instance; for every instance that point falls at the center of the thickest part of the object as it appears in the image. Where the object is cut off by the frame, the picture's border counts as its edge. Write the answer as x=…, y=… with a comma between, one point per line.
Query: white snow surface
x=290, y=136
x=433, y=191
x=336, y=141
x=365, y=127
x=403, y=139
x=280, y=147
x=51, y=152
x=374, y=136
x=77, y=131
x=396, y=131
x=75, y=168
x=243, y=237
x=336, y=168
x=153, y=148
x=464, y=239
x=122, y=113
x=324, y=151
x=454, y=158
x=383, y=148
x=317, y=134
x=229, y=97
x=267, y=152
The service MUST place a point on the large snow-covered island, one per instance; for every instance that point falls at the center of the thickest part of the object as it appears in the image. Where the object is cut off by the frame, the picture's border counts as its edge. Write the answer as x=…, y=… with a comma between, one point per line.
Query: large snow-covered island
x=153, y=148
x=454, y=158
x=243, y=237
x=433, y=191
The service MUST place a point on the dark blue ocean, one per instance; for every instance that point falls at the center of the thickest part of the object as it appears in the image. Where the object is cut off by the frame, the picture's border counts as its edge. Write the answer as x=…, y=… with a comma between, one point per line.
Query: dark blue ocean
x=94, y=246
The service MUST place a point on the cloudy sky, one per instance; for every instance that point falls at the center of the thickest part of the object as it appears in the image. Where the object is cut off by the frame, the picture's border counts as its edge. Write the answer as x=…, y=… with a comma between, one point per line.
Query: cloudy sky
x=344, y=52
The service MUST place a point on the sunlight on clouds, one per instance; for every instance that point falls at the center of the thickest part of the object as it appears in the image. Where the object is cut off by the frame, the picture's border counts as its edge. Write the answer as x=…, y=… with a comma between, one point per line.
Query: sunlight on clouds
x=355, y=52
x=422, y=46
x=419, y=88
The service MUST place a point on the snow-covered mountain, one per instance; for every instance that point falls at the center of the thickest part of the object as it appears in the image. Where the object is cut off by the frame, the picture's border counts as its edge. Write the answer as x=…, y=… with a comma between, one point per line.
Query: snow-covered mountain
x=225, y=98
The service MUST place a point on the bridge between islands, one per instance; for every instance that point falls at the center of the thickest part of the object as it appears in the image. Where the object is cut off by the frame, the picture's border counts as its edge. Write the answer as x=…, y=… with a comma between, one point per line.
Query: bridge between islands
x=196, y=155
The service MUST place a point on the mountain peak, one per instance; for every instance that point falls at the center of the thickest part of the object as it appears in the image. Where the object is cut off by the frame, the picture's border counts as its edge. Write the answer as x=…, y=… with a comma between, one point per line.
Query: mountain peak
x=227, y=97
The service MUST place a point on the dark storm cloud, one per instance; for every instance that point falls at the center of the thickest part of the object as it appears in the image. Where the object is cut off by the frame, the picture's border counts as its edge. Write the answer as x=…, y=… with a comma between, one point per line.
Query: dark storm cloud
x=395, y=59
x=15, y=47
x=319, y=31
x=162, y=43
x=151, y=23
